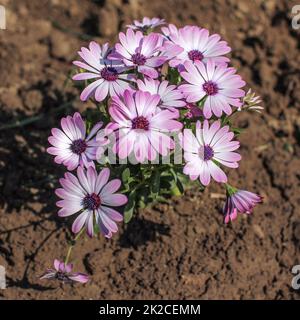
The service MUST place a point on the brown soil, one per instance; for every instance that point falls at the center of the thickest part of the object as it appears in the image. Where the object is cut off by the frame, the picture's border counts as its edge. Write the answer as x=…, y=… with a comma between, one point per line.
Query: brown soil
x=176, y=250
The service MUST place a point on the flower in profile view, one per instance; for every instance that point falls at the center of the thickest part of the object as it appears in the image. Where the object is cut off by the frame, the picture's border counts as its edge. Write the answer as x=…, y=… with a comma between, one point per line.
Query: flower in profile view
x=239, y=201
x=204, y=152
x=142, y=127
x=170, y=96
x=218, y=84
x=140, y=52
x=72, y=146
x=63, y=272
x=197, y=45
x=92, y=196
x=147, y=24
x=109, y=77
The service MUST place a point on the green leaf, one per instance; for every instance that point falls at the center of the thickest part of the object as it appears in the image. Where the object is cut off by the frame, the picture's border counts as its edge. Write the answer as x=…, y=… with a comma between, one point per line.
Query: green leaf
x=175, y=191
x=125, y=175
x=96, y=228
x=129, y=209
x=174, y=174
x=237, y=131
x=142, y=204
x=155, y=183
x=174, y=76
x=180, y=186
x=200, y=103
x=161, y=199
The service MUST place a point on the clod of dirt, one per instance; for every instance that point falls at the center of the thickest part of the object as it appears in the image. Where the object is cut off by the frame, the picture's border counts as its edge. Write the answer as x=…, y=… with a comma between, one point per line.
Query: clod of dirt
x=108, y=21
x=61, y=47
x=297, y=231
x=9, y=97
x=258, y=231
x=33, y=100
x=42, y=28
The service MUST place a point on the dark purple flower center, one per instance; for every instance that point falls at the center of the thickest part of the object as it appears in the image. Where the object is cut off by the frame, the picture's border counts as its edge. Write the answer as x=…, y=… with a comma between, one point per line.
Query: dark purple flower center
x=140, y=123
x=92, y=201
x=138, y=59
x=145, y=29
x=206, y=152
x=195, y=55
x=211, y=88
x=61, y=276
x=78, y=146
x=109, y=74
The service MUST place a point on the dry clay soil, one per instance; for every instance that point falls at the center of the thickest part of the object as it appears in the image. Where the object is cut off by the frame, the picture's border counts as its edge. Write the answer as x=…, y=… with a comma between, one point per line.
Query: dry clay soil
x=179, y=250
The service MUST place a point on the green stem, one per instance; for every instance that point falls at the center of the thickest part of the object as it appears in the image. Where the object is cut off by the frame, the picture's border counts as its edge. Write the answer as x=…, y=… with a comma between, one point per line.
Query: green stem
x=230, y=189
x=27, y=121
x=225, y=120
x=72, y=246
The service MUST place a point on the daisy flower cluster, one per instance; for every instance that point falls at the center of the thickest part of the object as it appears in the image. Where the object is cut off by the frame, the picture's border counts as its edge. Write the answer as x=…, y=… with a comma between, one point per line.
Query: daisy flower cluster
x=165, y=103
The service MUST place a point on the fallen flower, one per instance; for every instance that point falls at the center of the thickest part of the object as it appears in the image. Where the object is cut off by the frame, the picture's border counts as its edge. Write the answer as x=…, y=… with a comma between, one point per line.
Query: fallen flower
x=63, y=272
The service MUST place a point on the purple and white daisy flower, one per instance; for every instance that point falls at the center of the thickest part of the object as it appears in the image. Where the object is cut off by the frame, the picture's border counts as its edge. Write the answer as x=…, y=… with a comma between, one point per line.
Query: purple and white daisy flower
x=197, y=45
x=239, y=201
x=212, y=144
x=170, y=96
x=72, y=147
x=140, y=52
x=146, y=24
x=218, y=84
x=141, y=126
x=93, y=196
x=109, y=77
x=63, y=272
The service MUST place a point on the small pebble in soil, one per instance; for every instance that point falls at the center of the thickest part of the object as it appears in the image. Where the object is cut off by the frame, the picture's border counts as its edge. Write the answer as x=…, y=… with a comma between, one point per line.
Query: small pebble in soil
x=258, y=231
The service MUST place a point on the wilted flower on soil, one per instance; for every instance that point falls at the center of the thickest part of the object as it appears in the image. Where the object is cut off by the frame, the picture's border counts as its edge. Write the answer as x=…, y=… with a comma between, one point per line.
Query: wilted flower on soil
x=217, y=83
x=239, y=201
x=141, y=126
x=140, y=52
x=210, y=145
x=109, y=75
x=72, y=147
x=197, y=45
x=146, y=24
x=63, y=272
x=170, y=96
x=93, y=196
